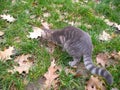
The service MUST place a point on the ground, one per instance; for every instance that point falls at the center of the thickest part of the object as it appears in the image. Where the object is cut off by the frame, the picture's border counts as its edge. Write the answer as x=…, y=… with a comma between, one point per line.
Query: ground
x=84, y=14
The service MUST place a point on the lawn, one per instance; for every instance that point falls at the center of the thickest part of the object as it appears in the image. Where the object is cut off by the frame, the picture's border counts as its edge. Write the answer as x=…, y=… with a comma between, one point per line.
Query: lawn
x=84, y=14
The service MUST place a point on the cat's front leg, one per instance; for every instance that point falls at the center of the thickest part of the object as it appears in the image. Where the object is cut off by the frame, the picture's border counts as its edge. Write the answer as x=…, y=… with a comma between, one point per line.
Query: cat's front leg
x=74, y=62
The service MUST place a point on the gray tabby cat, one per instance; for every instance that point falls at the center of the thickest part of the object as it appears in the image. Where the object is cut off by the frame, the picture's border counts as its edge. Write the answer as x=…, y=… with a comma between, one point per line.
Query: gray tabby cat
x=77, y=43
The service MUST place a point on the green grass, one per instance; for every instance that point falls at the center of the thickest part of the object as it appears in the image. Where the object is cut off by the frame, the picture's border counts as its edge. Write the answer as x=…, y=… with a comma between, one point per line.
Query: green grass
x=85, y=13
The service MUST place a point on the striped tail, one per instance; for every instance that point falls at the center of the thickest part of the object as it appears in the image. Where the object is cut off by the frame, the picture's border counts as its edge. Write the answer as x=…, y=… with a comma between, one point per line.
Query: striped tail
x=97, y=70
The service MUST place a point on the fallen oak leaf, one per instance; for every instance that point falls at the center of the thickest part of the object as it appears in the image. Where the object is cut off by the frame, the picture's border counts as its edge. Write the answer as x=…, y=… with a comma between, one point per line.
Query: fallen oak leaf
x=112, y=24
x=107, y=59
x=24, y=64
x=8, y=17
x=21, y=69
x=114, y=58
x=37, y=32
x=108, y=22
x=102, y=59
x=94, y=83
x=1, y=33
x=51, y=77
x=115, y=55
x=105, y=36
x=6, y=54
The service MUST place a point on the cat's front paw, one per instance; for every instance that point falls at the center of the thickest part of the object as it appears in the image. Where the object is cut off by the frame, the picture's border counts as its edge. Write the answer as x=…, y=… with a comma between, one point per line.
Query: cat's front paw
x=72, y=63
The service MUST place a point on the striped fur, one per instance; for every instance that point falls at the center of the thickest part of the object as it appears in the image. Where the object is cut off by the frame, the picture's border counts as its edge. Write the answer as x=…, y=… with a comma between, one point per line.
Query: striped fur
x=78, y=43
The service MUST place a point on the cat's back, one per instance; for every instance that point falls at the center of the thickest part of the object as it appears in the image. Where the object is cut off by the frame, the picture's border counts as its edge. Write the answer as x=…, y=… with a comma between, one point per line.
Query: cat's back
x=79, y=36
x=76, y=32
x=73, y=29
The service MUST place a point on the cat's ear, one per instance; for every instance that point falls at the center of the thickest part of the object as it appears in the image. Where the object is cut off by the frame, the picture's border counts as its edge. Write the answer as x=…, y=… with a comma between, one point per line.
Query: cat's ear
x=62, y=39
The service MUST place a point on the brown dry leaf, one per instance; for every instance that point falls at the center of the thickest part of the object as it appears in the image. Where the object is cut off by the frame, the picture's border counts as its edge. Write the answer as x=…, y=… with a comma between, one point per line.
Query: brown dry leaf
x=81, y=71
x=51, y=77
x=102, y=59
x=50, y=47
x=24, y=62
x=36, y=33
x=105, y=36
x=5, y=55
x=115, y=55
x=94, y=83
x=1, y=33
x=106, y=59
x=8, y=17
x=69, y=71
x=114, y=58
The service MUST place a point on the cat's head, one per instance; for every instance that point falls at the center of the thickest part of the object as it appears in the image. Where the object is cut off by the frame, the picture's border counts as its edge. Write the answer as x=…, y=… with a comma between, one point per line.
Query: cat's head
x=47, y=34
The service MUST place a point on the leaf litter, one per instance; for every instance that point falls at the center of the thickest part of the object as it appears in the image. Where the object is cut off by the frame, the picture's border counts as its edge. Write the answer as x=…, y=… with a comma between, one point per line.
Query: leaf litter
x=8, y=17
x=6, y=54
x=1, y=33
x=113, y=24
x=37, y=32
x=102, y=59
x=25, y=62
x=46, y=14
x=105, y=36
x=108, y=59
x=95, y=83
x=50, y=80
